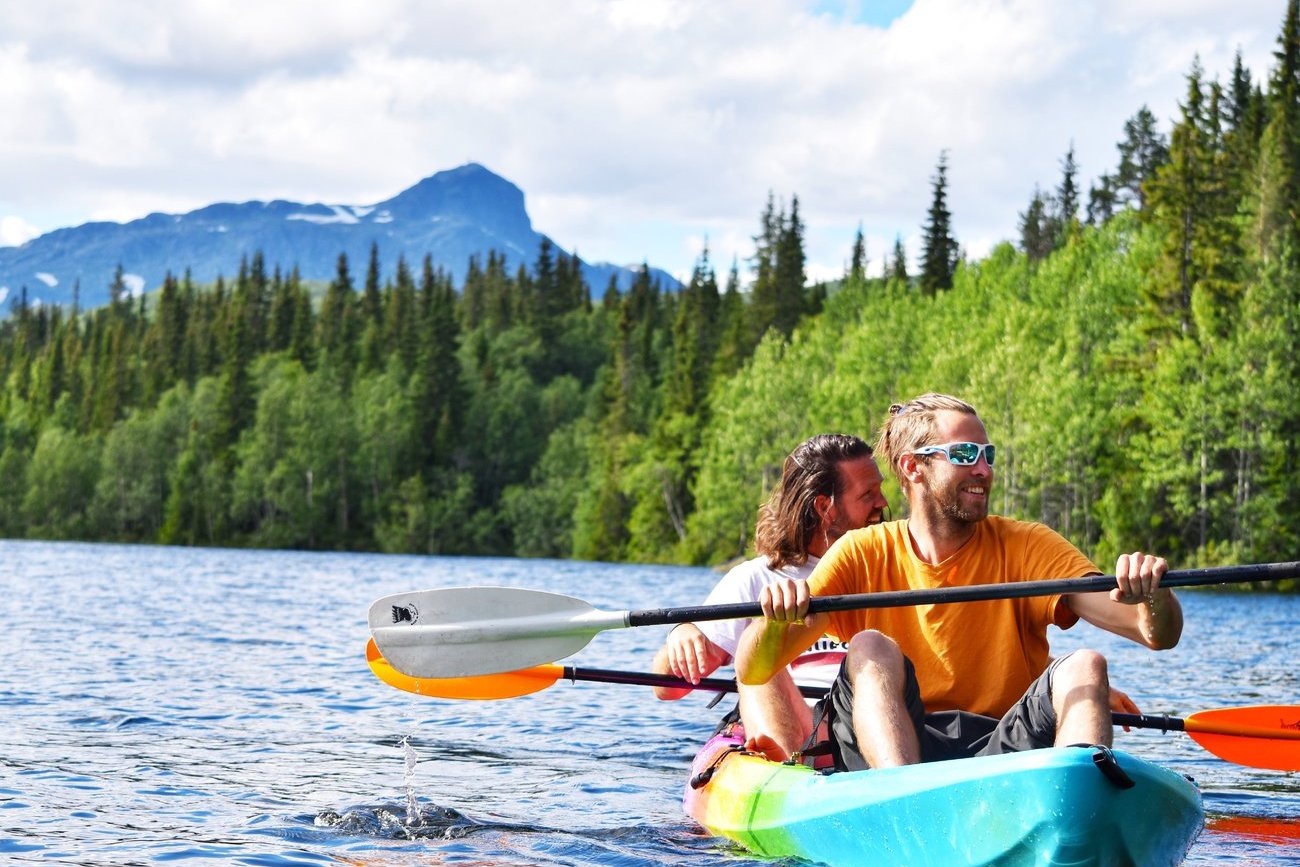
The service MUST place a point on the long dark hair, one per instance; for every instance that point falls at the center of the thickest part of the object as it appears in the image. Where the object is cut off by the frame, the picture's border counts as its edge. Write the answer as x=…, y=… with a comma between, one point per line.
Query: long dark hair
x=787, y=521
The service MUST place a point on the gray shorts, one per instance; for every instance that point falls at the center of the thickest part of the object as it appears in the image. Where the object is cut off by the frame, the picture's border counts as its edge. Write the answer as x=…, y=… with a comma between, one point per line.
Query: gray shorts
x=950, y=734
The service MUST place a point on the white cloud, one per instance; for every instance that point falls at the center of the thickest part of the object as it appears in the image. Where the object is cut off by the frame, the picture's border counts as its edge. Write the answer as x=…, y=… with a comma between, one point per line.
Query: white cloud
x=636, y=128
x=134, y=284
x=15, y=231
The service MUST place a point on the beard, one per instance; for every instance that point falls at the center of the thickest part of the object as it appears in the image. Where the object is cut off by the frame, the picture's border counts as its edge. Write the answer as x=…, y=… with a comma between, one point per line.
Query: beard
x=840, y=525
x=945, y=504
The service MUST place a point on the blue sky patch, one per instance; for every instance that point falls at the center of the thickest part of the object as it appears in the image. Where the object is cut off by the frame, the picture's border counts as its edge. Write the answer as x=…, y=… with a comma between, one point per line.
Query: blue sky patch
x=876, y=13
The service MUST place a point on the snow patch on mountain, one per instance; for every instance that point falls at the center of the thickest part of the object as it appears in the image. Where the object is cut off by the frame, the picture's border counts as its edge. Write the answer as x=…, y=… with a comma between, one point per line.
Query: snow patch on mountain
x=338, y=214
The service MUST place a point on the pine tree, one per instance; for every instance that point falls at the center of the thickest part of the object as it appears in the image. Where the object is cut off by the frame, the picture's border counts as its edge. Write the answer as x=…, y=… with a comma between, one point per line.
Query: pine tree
x=765, y=302
x=1271, y=325
x=733, y=342
x=301, y=345
x=110, y=392
x=280, y=315
x=1143, y=151
x=236, y=402
x=1103, y=201
x=687, y=381
x=117, y=291
x=790, y=276
x=1036, y=229
x=938, y=247
x=170, y=324
x=573, y=285
x=549, y=304
x=1180, y=202
x=1241, y=93
x=439, y=397
x=500, y=295
x=258, y=302
x=897, y=271
x=336, y=340
x=1276, y=227
x=401, y=327
x=1067, y=200
x=610, y=300
x=858, y=261
x=371, y=315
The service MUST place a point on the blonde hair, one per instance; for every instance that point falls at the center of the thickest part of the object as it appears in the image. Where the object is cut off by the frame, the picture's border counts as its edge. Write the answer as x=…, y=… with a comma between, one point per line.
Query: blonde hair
x=911, y=425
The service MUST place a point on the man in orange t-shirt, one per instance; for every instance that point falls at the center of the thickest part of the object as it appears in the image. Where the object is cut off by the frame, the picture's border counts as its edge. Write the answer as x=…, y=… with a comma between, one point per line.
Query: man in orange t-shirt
x=930, y=682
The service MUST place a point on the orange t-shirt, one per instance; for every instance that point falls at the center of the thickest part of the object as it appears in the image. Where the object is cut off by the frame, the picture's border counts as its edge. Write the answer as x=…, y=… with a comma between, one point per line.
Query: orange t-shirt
x=973, y=656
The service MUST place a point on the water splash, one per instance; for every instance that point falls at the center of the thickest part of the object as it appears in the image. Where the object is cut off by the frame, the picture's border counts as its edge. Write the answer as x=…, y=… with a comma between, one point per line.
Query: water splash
x=408, y=777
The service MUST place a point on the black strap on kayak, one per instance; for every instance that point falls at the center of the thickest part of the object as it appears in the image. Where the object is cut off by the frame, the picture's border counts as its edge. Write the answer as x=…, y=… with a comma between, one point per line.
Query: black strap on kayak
x=703, y=777
x=812, y=747
x=810, y=751
x=1104, y=760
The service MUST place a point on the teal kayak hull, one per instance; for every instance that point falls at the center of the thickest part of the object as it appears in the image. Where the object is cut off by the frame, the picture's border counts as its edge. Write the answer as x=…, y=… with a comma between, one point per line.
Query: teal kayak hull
x=1041, y=807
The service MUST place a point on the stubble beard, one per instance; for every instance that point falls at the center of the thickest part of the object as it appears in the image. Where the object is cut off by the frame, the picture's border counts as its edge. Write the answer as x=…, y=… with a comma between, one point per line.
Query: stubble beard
x=944, y=505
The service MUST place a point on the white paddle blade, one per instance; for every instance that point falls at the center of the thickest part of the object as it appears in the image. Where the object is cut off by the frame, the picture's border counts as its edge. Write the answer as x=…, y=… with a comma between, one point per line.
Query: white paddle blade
x=472, y=631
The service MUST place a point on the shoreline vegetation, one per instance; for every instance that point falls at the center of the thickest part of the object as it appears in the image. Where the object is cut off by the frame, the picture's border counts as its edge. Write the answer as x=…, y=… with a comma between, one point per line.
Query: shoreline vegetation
x=1138, y=365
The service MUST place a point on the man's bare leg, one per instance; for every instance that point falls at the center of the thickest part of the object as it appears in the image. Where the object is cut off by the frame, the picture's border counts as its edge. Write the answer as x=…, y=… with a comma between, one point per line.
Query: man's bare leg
x=886, y=736
x=777, y=720
x=1081, y=699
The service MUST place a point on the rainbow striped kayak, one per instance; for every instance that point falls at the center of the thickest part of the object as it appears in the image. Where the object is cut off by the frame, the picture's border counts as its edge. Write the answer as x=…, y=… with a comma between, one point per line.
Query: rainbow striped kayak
x=1075, y=806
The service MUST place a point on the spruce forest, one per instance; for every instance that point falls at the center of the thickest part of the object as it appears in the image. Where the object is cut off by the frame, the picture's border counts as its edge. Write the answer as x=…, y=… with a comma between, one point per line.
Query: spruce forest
x=1135, y=354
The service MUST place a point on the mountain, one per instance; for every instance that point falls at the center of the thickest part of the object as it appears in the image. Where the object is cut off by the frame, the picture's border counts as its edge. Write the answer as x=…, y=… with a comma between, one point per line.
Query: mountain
x=451, y=216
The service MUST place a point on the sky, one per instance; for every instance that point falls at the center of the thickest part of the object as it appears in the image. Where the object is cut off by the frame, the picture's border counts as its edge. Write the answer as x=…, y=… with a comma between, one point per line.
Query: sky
x=639, y=130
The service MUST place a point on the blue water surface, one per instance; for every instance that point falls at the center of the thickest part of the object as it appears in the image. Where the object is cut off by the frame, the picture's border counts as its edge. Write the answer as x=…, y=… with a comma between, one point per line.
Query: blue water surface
x=171, y=705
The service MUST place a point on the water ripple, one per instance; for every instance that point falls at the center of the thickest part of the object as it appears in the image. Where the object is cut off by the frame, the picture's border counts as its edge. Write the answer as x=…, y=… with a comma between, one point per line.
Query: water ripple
x=213, y=706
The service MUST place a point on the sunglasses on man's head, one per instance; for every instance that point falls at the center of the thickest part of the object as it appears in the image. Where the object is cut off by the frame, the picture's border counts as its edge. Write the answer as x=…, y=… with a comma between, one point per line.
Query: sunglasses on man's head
x=961, y=454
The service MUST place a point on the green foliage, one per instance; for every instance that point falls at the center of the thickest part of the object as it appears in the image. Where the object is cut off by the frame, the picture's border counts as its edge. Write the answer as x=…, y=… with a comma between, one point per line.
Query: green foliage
x=139, y=452
x=778, y=293
x=938, y=248
x=1142, y=151
x=1138, y=374
x=60, y=484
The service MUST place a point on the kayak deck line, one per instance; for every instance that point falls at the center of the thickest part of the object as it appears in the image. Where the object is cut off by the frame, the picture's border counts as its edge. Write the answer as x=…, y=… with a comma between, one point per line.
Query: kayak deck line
x=1041, y=807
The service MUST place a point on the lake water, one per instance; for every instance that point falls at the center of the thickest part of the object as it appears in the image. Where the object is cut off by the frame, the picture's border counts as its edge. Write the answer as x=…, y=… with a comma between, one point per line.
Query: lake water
x=168, y=705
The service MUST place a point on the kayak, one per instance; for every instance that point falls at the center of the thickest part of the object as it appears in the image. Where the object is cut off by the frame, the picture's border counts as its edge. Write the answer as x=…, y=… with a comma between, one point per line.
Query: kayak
x=1068, y=805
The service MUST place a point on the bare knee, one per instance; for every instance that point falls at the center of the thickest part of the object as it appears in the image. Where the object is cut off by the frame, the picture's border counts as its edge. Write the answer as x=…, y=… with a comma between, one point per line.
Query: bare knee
x=1083, y=667
x=1080, y=677
x=1081, y=699
x=873, y=649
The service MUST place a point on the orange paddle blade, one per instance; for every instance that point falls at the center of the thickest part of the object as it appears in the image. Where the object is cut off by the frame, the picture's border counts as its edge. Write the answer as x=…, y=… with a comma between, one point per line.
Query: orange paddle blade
x=509, y=685
x=1260, y=736
x=1277, y=831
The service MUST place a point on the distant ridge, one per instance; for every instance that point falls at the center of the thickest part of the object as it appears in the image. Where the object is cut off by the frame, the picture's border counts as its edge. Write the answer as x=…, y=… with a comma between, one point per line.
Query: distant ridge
x=450, y=216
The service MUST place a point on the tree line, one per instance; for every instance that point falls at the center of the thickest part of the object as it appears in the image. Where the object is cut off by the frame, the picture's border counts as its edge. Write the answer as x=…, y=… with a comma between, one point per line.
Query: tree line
x=1135, y=359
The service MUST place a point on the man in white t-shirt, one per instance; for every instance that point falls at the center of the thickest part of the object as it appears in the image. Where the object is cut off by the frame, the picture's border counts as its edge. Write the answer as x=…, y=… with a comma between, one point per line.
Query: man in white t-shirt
x=830, y=484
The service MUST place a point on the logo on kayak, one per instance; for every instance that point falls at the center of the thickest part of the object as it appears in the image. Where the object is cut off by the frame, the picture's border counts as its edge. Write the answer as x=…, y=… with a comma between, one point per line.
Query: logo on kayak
x=407, y=613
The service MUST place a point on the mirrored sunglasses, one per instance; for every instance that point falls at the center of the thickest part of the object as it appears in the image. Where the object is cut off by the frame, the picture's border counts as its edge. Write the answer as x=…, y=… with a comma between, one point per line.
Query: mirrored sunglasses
x=961, y=454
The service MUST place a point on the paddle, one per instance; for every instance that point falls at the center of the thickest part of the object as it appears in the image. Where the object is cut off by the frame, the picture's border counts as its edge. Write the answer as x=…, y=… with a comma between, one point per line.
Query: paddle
x=466, y=631
x=1263, y=736
x=513, y=684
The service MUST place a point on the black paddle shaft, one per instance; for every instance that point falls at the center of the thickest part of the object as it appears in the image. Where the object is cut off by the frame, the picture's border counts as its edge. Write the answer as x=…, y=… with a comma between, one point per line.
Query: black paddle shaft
x=972, y=593
x=707, y=684
x=715, y=684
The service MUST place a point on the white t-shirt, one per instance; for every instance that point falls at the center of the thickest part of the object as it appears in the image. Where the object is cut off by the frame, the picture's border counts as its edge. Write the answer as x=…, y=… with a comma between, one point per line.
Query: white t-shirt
x=816, y=666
